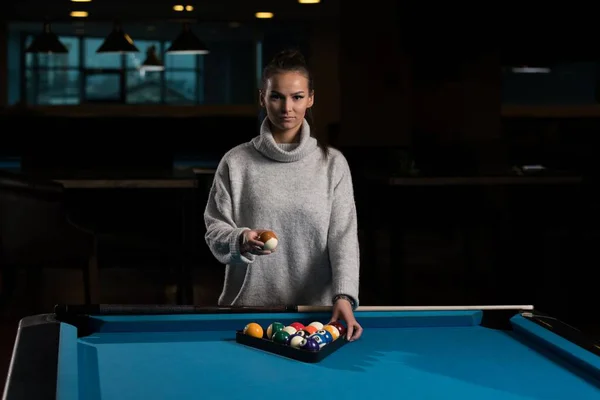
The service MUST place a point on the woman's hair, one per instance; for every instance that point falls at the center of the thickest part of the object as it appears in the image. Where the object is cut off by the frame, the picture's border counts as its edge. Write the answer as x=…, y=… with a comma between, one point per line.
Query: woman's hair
x=293, y=61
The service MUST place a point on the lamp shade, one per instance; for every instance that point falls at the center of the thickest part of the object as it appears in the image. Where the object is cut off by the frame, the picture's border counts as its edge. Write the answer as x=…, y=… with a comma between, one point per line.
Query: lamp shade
x=152, y=62
x=47, y=42
x=187, y=43
x=117, y=42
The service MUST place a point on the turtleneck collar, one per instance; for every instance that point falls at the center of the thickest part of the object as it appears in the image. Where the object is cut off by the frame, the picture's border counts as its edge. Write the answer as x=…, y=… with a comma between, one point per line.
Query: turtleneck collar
x=284, y=152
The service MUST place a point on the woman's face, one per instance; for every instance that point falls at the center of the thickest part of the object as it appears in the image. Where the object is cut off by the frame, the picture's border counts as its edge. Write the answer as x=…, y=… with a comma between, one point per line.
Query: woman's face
x=286, y=98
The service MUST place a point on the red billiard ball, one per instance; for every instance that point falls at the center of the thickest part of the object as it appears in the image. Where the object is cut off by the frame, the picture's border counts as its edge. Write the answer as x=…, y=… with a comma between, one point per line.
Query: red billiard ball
x=297, y=325
x=341, y=328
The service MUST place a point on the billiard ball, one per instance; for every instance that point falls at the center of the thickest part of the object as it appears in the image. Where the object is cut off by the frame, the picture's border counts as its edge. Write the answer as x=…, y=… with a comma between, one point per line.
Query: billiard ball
x=302, y=333
x=335, y=333
x=328, y=337
x=297, y=325
x=281, y=337
x=253, y=329
x=310, y=329
x=274, y=327
x=310, y=344
x=320, y=339
x=269, y=239
x=290, y=329
x=316, y=324
x=341, y=328
x=296, y=341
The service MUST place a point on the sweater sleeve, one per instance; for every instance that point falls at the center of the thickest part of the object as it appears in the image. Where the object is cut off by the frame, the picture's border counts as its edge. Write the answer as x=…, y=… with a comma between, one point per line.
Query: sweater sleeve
x=344, y=252
x=222, y=234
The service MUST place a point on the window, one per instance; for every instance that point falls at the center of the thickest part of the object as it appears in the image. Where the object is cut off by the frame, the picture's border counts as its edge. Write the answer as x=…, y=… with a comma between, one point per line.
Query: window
x=93, y=60
x=103, y=87
x=143, y=87
x=227, y=75
x=53, y=79
x=567, y=84
x=183, y=74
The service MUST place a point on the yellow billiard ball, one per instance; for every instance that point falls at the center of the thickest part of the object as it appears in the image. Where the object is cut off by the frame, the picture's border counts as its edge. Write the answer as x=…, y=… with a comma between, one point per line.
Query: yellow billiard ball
x=253, y=329
x=335, y=333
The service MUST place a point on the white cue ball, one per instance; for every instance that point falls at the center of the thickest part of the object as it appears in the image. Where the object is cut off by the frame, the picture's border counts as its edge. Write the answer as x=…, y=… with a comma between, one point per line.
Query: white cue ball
x=317, y=325
x=271, y=244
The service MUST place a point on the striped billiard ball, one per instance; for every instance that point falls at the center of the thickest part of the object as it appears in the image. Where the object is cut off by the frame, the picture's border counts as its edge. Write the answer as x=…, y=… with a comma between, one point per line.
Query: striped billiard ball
x=274, y=327
x=327, y=337
x=297, y=341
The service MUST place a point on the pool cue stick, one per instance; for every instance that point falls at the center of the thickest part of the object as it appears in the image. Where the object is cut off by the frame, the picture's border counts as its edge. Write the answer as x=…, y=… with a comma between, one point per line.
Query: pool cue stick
x=420, y=308
x=157, y=309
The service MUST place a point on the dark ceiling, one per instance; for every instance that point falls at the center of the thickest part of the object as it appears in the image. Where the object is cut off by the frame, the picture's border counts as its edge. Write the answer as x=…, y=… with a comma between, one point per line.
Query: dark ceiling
x=140, y=10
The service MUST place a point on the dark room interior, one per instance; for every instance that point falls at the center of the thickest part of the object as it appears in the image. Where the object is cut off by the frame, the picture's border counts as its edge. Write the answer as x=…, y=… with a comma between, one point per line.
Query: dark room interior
x=471, y=159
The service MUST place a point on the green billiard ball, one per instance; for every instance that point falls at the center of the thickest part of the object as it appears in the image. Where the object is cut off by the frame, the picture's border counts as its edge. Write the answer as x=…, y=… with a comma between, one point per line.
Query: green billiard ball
x=273, y=328
x=281, y=337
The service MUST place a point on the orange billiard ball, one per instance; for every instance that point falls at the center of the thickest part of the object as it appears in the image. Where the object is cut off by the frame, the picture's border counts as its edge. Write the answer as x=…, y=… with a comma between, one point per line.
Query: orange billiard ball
x=311, y=329
x=253, y=329
x=269, y=238
x=335, y=333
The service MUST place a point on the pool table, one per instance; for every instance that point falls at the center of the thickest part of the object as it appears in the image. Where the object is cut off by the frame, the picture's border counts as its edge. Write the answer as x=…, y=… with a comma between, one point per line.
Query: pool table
x=187, y=352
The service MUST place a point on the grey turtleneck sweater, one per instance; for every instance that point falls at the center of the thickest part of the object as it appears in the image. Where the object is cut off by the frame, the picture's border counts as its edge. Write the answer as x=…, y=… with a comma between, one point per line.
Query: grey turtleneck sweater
x=307, y=200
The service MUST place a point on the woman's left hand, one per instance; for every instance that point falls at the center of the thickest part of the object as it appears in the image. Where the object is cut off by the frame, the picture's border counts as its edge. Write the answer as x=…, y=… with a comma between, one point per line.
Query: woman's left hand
x=342, y=310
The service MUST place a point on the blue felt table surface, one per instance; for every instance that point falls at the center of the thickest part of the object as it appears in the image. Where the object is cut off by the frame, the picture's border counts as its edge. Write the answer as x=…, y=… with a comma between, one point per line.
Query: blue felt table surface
x=408, y=362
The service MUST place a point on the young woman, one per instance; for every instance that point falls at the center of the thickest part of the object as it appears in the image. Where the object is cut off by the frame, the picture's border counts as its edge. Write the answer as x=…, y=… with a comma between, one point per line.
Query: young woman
x=286, y=181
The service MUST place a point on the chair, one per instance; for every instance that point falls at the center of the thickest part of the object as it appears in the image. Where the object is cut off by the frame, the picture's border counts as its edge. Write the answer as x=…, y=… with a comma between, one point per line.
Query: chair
x=36, y=233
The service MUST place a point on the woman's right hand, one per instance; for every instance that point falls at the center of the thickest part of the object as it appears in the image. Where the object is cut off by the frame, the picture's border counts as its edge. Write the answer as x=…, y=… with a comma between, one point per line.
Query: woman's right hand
x=249, y=242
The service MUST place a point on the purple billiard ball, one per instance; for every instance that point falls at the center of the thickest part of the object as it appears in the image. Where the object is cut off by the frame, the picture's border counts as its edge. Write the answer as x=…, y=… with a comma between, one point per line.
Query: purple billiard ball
x=302, y=333
x=310, y=344
x=296, y=341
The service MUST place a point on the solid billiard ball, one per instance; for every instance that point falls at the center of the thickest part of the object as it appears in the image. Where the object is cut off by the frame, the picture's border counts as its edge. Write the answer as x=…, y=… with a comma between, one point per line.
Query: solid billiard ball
x=269, y=239
x=341, y=328
x=296, y=341
x=328, y=337
x=274, y=327
x=253, y=329
x=281, y=337
x=297, y=325
x=335, y=333
x=310, y=344
x=310, y=329
x=316, y=324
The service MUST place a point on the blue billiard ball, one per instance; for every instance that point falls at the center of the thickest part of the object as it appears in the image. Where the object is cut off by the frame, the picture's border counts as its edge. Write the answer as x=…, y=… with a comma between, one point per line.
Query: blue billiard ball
x=320, y=339
x=310, y=344
x=327, y=336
